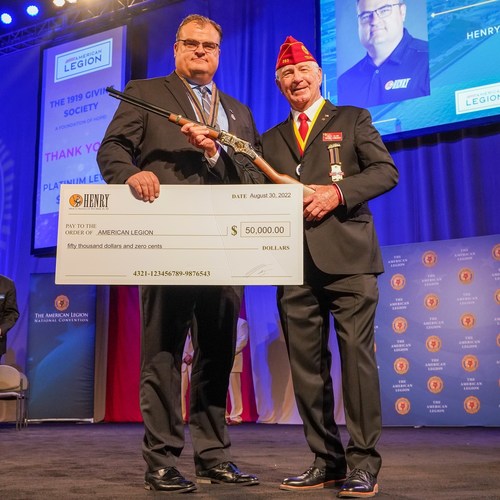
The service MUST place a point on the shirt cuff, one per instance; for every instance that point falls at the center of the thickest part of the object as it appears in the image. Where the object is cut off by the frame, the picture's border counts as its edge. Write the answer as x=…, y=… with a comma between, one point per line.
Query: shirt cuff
x=213, y=160
x=339, y=193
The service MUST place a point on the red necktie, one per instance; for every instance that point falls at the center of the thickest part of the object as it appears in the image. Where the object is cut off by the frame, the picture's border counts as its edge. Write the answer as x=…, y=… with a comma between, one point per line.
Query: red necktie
x=304, y=126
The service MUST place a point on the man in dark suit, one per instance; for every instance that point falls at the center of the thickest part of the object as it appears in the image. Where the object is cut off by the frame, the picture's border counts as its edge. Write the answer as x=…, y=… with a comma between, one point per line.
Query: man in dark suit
x=338, y=152
x=144, y=150
x=8, y=310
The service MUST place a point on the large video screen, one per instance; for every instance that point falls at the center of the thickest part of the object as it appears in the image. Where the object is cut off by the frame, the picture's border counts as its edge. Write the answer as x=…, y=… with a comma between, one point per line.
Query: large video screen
x=444, y=71
x=75, y=110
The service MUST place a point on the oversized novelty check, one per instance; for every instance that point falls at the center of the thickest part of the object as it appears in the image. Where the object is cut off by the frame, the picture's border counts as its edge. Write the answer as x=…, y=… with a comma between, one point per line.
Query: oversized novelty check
x=191, y=235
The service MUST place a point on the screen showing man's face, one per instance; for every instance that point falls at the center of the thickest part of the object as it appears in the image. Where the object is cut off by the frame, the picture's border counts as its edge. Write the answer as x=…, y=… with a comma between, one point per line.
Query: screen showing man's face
x=380, y=23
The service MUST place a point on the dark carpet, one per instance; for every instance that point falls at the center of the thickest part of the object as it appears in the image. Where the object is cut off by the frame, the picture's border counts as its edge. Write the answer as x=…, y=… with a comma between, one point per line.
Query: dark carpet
x=103, y=461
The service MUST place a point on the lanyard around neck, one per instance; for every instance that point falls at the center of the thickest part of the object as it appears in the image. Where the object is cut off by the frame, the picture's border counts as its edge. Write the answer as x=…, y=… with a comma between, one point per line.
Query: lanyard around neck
x=211, y=118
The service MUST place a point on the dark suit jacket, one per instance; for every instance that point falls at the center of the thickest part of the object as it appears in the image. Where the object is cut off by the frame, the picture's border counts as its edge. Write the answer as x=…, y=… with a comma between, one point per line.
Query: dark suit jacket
x=8, y=310
x=158, y=145
x=344, y=242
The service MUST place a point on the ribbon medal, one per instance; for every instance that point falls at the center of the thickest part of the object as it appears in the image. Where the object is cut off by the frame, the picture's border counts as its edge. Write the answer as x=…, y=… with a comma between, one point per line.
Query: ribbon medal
x=336, y=172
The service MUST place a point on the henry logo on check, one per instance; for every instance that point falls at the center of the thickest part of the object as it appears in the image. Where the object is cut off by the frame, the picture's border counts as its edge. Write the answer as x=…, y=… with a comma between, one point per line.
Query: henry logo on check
x=89, y=200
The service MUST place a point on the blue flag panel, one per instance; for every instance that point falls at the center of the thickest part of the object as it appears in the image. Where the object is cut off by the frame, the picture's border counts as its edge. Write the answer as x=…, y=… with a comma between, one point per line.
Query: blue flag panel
x=61, y=350
x=438, y=333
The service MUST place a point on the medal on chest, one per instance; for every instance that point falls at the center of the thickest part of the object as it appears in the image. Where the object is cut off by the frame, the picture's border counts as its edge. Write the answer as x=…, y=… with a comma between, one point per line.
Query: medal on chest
x=336, y=172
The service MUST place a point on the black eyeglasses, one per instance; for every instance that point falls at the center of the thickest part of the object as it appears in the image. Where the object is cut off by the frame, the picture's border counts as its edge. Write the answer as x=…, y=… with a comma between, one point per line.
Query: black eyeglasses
x=209, y=47
x=384, y=11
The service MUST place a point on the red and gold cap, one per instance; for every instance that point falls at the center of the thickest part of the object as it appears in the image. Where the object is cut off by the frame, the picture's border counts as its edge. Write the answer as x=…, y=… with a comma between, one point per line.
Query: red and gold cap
x=293, y=52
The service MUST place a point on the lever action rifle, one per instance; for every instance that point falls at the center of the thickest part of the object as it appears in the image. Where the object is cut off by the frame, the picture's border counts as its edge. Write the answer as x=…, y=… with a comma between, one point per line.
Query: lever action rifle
x=239, y=145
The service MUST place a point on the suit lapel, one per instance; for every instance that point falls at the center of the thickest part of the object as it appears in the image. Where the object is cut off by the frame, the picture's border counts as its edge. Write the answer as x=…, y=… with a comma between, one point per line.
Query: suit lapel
x=286, y=130
x=178, y=91
x=231, y=116
x=327, y=113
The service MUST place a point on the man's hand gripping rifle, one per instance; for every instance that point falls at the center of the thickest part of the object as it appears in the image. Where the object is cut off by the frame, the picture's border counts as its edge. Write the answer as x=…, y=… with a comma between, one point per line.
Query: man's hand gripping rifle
x=239, y=145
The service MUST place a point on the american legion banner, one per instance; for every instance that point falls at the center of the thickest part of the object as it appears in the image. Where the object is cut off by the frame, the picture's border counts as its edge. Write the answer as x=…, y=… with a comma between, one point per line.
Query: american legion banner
x=438, y=333
x=61, y=343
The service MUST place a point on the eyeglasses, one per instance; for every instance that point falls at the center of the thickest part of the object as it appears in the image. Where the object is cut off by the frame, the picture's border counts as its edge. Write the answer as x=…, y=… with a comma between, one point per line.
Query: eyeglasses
x=192, y=45
x=382, y=12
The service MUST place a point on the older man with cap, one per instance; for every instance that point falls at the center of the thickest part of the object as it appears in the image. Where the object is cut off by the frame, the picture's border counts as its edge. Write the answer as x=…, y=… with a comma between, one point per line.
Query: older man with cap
x=338, y=152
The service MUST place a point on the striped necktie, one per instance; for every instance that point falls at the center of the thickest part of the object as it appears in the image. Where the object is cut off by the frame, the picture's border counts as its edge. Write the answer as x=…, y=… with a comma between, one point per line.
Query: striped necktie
x=206, y=100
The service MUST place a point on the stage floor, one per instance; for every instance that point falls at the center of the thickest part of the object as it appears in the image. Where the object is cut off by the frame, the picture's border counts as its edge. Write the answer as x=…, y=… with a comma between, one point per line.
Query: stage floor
x=103, y=461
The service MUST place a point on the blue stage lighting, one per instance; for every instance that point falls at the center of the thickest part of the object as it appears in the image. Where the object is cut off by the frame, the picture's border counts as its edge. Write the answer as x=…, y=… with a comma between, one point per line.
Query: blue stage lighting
x=6, y=18
x=32, y=10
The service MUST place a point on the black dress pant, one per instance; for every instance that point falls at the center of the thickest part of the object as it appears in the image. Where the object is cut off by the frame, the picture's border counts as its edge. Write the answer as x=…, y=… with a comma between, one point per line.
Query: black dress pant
x=305, y=313
x=167, y=313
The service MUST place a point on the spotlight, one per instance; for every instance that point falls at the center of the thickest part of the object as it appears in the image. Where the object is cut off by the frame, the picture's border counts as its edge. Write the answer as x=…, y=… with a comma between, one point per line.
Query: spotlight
x=6, y=18
x=32, y=10
x=61, y=3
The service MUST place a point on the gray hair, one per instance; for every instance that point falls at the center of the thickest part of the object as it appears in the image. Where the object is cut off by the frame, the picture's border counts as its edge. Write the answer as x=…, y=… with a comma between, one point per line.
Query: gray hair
x=278, y=71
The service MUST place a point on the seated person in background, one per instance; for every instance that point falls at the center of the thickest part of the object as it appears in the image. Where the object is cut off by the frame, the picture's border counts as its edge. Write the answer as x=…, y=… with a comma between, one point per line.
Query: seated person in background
x=396, y=66
x=8, y=310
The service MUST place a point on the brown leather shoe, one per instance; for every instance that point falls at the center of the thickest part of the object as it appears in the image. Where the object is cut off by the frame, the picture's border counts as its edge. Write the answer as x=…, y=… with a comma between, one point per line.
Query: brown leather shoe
x=168, y=480
x=227, y=473
x=313, y=479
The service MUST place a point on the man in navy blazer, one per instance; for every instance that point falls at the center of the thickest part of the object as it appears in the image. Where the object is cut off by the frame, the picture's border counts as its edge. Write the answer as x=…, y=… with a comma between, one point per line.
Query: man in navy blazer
x=338, y=152
x=8, y=310
x=144, y=150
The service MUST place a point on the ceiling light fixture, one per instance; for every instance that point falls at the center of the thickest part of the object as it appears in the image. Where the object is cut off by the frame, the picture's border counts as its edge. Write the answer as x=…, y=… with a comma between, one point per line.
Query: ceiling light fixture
x=32, y=10
x=6, y=18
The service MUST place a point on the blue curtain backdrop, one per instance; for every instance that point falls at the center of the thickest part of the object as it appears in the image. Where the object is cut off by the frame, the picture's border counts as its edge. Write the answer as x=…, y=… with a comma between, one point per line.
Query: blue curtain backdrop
x=449, y=184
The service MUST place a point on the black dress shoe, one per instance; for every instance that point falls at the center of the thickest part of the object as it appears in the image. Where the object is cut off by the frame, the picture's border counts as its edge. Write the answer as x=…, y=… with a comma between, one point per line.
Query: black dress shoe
x=168, y=480
x=359, y=484
x=312, y=479
x=227, y=473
